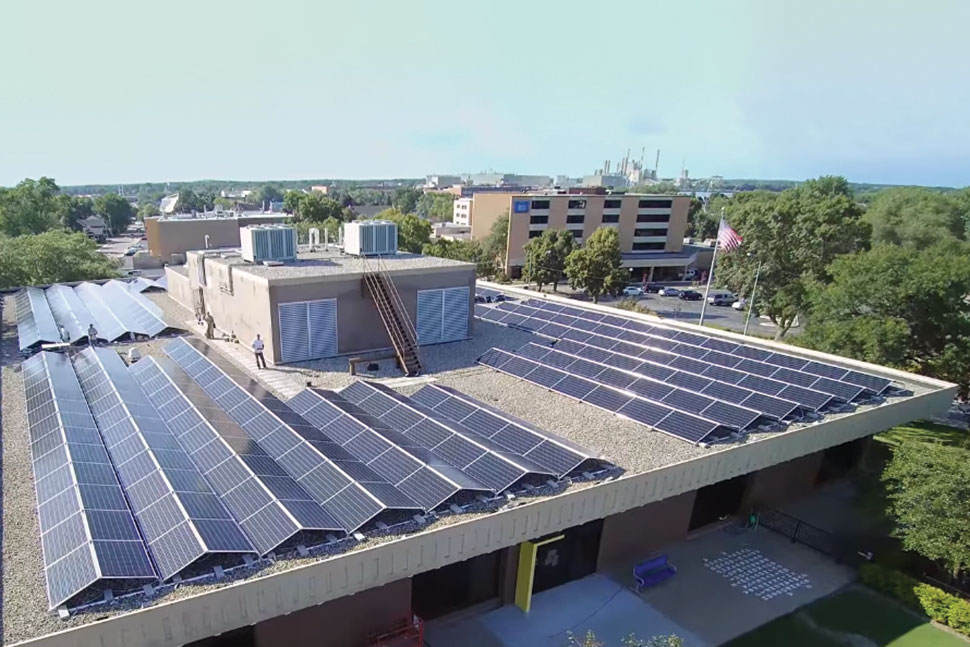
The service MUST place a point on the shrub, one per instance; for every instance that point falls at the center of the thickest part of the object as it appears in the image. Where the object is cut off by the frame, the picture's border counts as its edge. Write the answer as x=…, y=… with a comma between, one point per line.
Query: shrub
x=935, y=603
x=959, y=616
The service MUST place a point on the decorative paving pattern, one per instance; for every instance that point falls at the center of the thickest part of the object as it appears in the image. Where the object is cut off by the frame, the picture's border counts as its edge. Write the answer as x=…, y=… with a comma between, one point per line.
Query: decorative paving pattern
x=754, y=574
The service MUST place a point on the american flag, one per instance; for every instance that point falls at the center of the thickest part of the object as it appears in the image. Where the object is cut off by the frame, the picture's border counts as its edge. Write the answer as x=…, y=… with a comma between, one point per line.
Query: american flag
x=727, y=238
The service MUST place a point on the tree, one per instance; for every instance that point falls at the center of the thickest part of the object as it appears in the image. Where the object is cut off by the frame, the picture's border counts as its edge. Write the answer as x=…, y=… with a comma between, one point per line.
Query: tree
x=897, y=306
x=470, y=251
x=413, y=233
x=150, y=210
x=316, y=207
x=291, y=201
x=73, y=210
x=51, y=257
x=405, y=199
x=702, y=220
x=266, y=194
x=496, y=244
x=916, y=216
x=436, y=207
x=188, y=202
x=116, y=211
x=658, y=188
x=595, y=267
x=929, y=493
x=208, y=200
x=795, y=235
x=545, y=257
x=222, y=203
x=31, y=207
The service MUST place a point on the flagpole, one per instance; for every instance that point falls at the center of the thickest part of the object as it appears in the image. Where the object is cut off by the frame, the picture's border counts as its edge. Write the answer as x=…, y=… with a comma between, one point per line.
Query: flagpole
x=754, y=291
x=710, y=274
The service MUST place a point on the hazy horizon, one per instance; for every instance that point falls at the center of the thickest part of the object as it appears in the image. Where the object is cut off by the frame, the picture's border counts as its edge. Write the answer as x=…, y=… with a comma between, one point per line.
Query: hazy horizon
x=113, y=92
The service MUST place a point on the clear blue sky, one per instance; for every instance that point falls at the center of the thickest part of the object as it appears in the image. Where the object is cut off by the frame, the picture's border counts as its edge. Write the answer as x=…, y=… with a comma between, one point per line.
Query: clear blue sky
x=119, y=91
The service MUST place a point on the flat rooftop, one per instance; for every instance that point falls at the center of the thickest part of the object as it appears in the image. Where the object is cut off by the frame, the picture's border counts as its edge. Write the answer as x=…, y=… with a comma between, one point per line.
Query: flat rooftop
x=639, y=453
x=311, y=265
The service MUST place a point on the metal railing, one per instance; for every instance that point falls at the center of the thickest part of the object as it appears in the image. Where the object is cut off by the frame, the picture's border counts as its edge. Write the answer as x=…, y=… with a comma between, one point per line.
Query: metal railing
x=391, y=309
x=804, y=533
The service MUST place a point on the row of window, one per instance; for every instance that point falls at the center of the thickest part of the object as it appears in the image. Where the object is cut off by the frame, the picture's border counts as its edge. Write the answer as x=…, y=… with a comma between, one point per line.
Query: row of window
x=608, y=218
x=653, y=217
x=643, y=247
x=649, y=232
x=607, y=204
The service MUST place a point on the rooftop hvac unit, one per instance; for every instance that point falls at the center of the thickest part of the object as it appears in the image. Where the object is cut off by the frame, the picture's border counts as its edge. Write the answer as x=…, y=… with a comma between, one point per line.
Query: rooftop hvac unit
x=268, y=243
x=370, y=237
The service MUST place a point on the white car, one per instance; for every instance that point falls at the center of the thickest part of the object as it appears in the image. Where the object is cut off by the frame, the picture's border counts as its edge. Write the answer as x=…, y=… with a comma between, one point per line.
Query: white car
x=740, y=304
x=669, y=292
x=632, y=291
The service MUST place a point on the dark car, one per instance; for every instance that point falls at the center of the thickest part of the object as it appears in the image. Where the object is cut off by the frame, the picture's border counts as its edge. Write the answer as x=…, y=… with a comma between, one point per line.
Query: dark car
x=691, y=295
x=652, y=287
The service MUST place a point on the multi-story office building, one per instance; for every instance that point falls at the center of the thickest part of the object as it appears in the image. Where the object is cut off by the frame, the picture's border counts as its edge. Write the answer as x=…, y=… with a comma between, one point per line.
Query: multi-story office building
x=651, y=227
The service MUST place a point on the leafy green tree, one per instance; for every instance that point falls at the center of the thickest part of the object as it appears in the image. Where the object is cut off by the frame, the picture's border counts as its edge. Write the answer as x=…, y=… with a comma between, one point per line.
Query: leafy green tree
x=701, y=221
x=208, y=200
x=916, y=216
x=31, y=207
x=496, y=244
x=73, y=210
x=595, y=267
x=545, y=257
x=659, y=188
x=436, y=207
x=291, y=201
x=929, y=493
x=405, y=199
x=898, y=306
x=470, y=251
x=189, y=201
x=413, y=233
x=51, y=257
x=222, y=203
x=795, y=234
x=149, y=210
x=116, y=211
x=265, y=194
x=316, y=207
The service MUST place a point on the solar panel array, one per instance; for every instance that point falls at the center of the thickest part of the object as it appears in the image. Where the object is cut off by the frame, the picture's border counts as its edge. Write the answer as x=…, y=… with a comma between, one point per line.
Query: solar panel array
x=548, y=450
x=271, y=508
x=114, y=309
x=351, y=492
x=88, y=535
x=479, y=458
x=141, y=284
x=180, y=517
x=737, y=386
x=409, y=467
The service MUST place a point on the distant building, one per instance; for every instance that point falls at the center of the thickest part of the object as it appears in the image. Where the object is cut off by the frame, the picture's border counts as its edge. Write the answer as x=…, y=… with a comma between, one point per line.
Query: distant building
x=606, y=180
x=509, y=179
x=94, y=227
x=441, y=181
x=450, y=231
x=169, y=203
x=321, y=188
x=651, y=227
x=179, y=234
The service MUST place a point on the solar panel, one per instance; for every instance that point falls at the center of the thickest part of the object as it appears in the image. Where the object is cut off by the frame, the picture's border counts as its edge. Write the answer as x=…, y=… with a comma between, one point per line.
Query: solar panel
x=401, y=461
x=180, y=517
x=546, y=449
x=35, y=321
x=319, y=466
x=137, y=313
x=87, y=530
x=105, y=321
x=474, y=455
x=689, y=427
x=69, y=312
x=270, y=507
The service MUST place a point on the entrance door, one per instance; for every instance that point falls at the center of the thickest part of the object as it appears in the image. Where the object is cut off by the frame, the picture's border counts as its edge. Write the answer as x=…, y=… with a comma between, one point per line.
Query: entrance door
x=455, y=587
x=718, y=501
x=571, y=558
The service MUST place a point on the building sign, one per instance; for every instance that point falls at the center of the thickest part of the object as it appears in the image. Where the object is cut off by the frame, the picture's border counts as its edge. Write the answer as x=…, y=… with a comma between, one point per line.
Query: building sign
x=520, y=206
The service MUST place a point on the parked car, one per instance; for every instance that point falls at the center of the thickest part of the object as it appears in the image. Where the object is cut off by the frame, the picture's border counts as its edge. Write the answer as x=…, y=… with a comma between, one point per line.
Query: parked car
x=632, y=291
x=691, y=295
x=668, y=291
x=653, y=287
x=740, y=304
x=721, y=298
x=131, y=251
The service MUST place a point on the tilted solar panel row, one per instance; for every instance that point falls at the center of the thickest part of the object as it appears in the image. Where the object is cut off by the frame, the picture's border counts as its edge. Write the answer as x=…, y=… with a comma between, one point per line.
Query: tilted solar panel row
x=479, y=458
x=411, y=468
x=35, y=321
x=662, y=351
x=828, y=376
x=548, y=450
x=690, y=427
x=88, y=535
x=349, y=490
x=181, y=518
x=270, y=507
x=680, y=399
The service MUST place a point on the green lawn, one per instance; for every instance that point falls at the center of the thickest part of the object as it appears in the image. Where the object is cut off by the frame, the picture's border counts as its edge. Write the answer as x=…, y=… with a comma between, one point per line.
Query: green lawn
x=855, y=611
x=925, y=431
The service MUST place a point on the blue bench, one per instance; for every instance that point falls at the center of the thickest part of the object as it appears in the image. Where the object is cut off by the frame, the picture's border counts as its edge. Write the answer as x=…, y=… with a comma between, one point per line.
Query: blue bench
x=653, y=571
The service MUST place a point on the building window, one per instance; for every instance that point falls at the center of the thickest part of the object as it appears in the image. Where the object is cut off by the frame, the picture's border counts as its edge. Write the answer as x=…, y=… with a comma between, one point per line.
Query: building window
x=540, y=204
x=611, y=217
x=655, y=204
x=650, y=232
x=644, y=247
x=577, y=204
x=575, y=220
x=577, y=233
x=535, y=234
x=538, y=220
x=653, y=217
x=612, y=204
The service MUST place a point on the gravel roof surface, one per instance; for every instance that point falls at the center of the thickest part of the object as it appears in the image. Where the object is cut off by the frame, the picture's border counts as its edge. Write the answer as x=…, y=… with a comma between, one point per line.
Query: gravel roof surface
x=628, y=445
x=331, y=264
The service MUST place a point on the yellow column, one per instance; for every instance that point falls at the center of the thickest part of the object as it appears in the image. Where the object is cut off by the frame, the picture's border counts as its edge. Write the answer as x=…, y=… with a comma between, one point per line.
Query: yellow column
x=526, y=571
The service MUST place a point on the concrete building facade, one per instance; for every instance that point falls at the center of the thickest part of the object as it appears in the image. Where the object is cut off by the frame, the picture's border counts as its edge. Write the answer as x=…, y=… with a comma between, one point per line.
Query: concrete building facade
x=168, y=236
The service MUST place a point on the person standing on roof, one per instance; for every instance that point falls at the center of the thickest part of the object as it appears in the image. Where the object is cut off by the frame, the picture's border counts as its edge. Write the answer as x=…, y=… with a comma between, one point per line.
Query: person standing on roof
x=92, y=335
x=210, y=326
x=258, y=346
